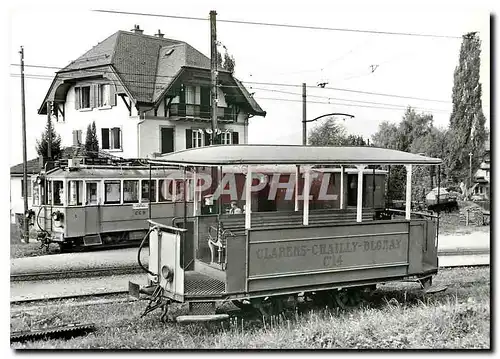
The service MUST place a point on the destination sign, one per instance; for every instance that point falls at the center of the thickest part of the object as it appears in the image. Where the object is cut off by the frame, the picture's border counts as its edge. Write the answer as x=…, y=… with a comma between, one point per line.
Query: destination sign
x=325, y=253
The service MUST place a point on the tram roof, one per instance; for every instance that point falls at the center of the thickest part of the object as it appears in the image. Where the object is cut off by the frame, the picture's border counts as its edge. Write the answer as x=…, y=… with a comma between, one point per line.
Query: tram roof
x=107, y=172
x=293, y=154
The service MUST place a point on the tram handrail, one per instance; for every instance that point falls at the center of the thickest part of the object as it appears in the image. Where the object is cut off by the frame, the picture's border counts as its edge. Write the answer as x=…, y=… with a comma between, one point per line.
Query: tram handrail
x=164, y=226
x=416, y=213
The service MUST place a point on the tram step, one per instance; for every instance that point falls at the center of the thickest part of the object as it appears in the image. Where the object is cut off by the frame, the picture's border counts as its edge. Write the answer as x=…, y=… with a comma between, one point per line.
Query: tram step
x=185, y=319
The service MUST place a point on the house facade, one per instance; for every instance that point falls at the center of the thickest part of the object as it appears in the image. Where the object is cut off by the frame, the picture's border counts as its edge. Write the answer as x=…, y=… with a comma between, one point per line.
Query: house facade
x=17, y=189
x=148, y=95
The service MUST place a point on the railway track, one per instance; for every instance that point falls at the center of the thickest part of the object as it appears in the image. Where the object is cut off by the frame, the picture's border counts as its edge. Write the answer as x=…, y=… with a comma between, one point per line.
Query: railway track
x=82, y=273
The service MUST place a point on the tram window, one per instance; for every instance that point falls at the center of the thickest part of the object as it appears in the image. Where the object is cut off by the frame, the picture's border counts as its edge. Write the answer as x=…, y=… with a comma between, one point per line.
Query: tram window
x=75, y=193
x=58, y=193
x=130, y=191
x=145, y=191
x=165, y=190
x=112, y=191
x=36, y=194
x=91, y=193
x=179, y=191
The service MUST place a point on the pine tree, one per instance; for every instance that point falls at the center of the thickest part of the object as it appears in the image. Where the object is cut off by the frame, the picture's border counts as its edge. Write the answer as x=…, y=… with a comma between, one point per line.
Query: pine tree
x=42, y=144
x=467, y=130
x=91, y=141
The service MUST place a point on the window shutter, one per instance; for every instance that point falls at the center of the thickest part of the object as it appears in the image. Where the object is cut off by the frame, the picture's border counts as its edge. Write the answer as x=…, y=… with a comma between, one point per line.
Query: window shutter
x=77, y=98
x=105, y=138
x=236, y=136
x=93, y=96
x=189, y=138
x=112, y=95
x=207, y=139
x=117, y=138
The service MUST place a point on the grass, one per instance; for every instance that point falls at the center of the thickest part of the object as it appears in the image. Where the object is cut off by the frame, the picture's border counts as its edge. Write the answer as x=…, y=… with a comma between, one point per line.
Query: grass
x=397, y=316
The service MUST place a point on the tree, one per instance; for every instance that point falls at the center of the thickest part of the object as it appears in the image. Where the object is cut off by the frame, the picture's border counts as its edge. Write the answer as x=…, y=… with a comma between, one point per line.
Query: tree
x=354, y=140
x=91, y=141
x=227, y=62
x=467, y=132
x=42, y=144
x=329, y=133
x=412, y=134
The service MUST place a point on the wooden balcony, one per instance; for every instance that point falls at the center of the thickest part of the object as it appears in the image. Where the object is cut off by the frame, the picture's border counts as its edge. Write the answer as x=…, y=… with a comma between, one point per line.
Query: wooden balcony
x=201, y=112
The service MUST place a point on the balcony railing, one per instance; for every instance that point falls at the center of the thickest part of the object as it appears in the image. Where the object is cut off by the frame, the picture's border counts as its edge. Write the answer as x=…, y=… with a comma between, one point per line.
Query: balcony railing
x=202, y=112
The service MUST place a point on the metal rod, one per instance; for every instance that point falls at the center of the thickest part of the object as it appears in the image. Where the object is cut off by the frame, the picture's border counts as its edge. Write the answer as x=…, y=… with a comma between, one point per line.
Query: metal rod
x=304, y=114
x=437, y=202
x=149, y=192
x=25, y=159
x=213, y=67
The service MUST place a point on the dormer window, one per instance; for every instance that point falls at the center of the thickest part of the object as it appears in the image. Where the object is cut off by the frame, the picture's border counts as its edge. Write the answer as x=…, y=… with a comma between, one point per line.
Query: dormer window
x=104, y=95
x=82, y=97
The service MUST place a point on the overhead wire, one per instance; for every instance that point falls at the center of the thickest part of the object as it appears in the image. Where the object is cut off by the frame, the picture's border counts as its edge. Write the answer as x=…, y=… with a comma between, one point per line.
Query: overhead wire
x=260, y=23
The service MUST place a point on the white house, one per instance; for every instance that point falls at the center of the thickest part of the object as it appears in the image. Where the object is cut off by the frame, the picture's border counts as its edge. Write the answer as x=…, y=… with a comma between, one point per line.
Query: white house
x=147, y=95
x=16, y=187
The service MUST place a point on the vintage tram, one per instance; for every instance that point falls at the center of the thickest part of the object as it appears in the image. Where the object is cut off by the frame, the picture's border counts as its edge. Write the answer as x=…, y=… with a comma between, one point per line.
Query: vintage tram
x=280, y=247
x=80, y=205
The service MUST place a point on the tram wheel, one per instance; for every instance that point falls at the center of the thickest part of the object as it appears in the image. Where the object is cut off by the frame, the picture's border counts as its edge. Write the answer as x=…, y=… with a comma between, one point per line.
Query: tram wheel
x=269, y=306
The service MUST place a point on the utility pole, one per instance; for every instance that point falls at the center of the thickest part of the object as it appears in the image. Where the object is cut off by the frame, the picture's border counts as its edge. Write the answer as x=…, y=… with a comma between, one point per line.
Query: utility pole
x=304, y=115
x=213, y=68
x=49, y=139
x=25, y=166
x=470, y=171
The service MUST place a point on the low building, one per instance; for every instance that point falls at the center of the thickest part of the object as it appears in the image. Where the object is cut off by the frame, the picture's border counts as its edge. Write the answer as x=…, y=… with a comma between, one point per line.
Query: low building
x=481, y=188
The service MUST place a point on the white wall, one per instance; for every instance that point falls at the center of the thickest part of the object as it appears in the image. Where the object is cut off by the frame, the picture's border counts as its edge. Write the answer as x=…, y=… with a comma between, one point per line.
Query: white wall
x=116, y=116
x=16, y=200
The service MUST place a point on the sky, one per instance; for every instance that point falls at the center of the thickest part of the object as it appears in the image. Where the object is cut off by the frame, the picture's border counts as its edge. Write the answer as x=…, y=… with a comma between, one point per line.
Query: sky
x=54, y=33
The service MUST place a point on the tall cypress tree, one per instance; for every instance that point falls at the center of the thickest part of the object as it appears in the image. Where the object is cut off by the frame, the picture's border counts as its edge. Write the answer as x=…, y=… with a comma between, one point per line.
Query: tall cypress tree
x=91, y=142
x=467, y=131
x=42, y=145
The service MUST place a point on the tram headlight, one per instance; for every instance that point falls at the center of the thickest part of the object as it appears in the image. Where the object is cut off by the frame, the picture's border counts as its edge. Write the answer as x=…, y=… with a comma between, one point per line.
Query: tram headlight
x=167, y=273
x=58, y=218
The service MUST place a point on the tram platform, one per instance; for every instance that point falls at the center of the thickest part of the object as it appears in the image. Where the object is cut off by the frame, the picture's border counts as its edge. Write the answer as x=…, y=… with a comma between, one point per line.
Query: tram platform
x=127, y=257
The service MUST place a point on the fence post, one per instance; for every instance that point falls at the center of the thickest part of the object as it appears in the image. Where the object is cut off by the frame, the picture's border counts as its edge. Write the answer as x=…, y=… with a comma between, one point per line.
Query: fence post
x=467, y=217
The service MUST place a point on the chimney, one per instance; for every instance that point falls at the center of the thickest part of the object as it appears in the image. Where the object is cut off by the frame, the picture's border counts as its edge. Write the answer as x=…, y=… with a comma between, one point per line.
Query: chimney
x=159, y=34
x=137, y=30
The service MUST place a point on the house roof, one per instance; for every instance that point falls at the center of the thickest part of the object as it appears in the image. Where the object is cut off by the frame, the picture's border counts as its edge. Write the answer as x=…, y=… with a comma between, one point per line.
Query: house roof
x=33, y=166
x=292, y=154
x=146, y=65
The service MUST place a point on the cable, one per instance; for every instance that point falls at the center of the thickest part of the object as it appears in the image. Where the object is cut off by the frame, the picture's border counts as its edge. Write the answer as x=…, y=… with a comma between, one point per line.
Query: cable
x=396, y=107
x=239, y=97
x=251, y=82
x=281, y=25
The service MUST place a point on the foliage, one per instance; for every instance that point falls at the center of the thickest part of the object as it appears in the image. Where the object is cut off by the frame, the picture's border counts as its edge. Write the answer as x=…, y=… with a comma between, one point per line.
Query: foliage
x=227, y=62
x=42, y=145
x=333, y=133
x=397, y=315
x=329, y=133
x=467, y=121
x=91, y=141
x=416, y=134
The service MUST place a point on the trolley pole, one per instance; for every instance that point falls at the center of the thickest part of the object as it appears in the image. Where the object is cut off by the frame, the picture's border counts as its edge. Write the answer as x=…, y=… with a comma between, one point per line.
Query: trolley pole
x=304, y=115
x=213, y=68
x=25, y=168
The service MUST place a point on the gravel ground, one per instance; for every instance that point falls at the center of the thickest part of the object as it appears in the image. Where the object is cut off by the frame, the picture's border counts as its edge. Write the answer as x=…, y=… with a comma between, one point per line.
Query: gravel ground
x=126, y=257
x=30, y=290
x=475, y=240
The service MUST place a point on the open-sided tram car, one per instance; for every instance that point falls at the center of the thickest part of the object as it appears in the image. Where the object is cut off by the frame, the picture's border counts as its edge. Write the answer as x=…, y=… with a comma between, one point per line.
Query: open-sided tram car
x=267, y=255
